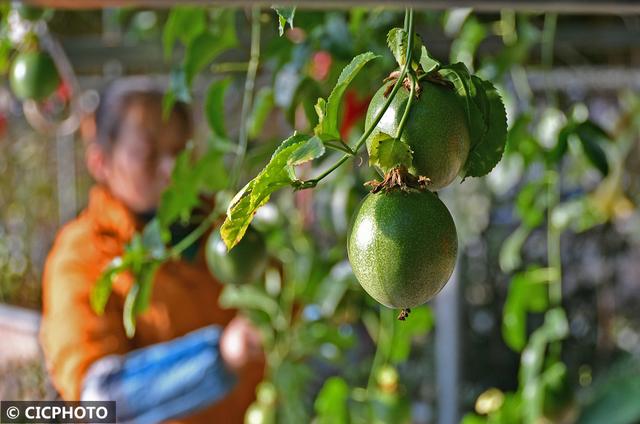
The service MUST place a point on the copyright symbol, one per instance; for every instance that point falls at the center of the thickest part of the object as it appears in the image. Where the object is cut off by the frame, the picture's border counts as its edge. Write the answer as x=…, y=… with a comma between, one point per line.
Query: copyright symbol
x=13, y=412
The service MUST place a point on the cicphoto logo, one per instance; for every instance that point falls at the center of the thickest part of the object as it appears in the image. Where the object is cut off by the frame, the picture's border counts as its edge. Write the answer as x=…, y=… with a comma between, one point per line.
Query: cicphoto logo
x=57, y=412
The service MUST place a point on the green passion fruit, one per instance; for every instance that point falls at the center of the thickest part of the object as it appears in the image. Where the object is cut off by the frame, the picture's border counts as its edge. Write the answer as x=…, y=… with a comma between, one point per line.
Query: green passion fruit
x=33, y=75
x=244, y=264
x=436, y=130
x=402, y=247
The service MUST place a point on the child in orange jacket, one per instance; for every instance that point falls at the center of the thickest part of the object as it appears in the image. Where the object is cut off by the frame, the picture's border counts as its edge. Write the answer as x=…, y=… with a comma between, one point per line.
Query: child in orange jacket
x=190, y=360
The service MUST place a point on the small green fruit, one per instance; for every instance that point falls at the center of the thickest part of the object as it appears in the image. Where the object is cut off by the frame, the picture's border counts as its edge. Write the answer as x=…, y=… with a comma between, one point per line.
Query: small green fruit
x=244, y=264
x=436, y=130
x=33, y=75
x=402, y=247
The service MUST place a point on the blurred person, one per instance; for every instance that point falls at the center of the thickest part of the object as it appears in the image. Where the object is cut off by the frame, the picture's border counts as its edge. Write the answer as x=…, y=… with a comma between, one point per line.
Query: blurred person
x=190, y=361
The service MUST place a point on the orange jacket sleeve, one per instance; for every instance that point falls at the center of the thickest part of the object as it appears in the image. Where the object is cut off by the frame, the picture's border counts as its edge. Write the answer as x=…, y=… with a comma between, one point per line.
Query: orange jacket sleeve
x=71, y=334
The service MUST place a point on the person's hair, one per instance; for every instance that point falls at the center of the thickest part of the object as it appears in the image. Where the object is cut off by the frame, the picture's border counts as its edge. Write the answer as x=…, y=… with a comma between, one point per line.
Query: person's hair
x=116, y=99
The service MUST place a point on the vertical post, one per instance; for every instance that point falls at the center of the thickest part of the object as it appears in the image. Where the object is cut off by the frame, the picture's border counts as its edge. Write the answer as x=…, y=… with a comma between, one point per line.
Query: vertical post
x=447, y=353
x=66, y=177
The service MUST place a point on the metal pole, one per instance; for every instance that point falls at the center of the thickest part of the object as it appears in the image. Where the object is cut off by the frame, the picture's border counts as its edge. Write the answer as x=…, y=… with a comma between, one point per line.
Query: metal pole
x=447, y=351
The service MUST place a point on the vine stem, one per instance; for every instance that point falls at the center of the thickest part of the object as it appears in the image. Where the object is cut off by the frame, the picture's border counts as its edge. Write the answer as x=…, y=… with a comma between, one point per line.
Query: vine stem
x=194, y=235
x=313, y=182
x=249, y=85
x=405, y=115
x=547, y=45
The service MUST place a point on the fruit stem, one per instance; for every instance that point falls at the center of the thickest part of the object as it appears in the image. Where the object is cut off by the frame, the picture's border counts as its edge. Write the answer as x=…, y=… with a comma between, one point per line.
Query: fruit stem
x=301, y=185
x=405, y=115
x=249, y=85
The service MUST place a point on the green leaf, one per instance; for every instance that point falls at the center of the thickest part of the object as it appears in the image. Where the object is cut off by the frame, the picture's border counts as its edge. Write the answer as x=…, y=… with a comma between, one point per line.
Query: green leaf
x=188, y=180
x=214, y=106
x=257, y=191
x=145, y=281
x=427, y=62
x=303, y=95
x=528, y=292
x=285, y=16
x=398, y=43
x=328, y=113
x=387, y=152
x=556, y=154
x=531, y=203
x=154, y=240
x=275, y=174
x=178, y=91
x=510, y=257
x=139, y=296
x=184, y=24
x=201, y=51
x=262, y=106
x=592, y=136
x=488, y=145
x=312, y=149
x=520, y=139
x=102, y=290
x=331, y=404
x=613, y=396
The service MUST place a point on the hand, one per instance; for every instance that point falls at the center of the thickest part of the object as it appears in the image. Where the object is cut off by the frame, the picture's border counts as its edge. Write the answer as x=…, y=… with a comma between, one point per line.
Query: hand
x=240, y=343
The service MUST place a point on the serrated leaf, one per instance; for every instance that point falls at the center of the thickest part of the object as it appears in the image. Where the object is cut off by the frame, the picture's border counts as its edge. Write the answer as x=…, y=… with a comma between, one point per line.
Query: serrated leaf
x=312, y=149
x=459, y=75
x=328, y=114
x=214, y=106
x=285, y=16
x=427, y=62
x=188, y=180
x=398, y=43
x=262, y=106
x=257, y=191
x=488, y=149
x=387, y=152
x=275, y=175
x=184, y=24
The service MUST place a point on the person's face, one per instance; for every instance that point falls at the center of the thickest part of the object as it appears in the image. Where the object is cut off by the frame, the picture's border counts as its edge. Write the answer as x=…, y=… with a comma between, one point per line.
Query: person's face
x=139, y=166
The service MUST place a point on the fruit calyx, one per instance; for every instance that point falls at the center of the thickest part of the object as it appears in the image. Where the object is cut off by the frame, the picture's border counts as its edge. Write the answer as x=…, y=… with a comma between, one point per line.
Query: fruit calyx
x=399, y=178
x=404, y=314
